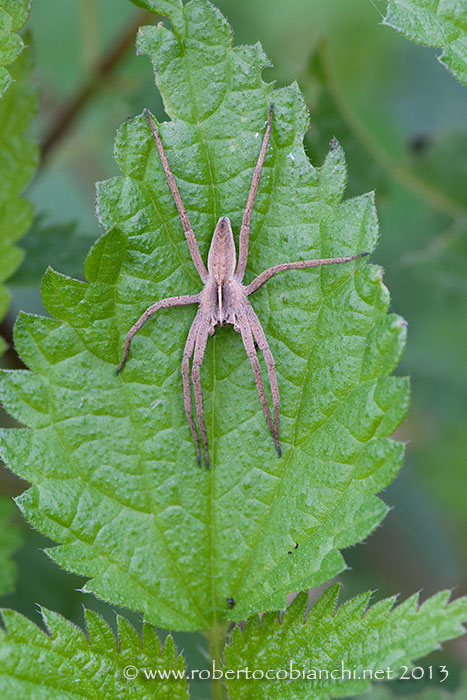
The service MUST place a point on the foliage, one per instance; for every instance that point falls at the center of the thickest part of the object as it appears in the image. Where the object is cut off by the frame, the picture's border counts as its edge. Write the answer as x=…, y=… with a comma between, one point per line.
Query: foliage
x=433, y=23
x=47, y=244
x=422, y=202
x=18, y=160
x=355, y=635
x=13, y=15
x=169, y=8
x=111, y=459
x=63, y=663
x=10, y=540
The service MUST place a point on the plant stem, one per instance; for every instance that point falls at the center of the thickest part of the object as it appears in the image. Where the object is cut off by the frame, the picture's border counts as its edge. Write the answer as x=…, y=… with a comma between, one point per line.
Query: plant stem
x=216, y=639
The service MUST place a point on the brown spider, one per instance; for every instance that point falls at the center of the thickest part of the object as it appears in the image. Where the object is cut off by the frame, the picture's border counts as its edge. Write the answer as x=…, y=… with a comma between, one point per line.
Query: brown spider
x=223, y=300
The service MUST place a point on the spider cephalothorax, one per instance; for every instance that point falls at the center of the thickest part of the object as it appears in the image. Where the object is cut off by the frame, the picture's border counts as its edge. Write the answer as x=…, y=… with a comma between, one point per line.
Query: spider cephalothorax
x=224, y=300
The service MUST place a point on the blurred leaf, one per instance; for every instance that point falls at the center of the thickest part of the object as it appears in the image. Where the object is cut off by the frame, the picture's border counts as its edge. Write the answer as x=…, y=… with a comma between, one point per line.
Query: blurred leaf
x=59, y=246
x=447, y=485
x=66, y=664
x=443, y=261
x=10, y=540
x=442, y=162
x=13, y=16
x=427, y=694
x=112, y=459
x=433, y=23
x=434, y=169
x=354, y=636
x=18, y=161
x=331, y=119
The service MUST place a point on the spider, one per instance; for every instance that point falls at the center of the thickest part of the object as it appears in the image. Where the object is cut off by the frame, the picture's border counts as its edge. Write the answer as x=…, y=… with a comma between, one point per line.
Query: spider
x=223, y=300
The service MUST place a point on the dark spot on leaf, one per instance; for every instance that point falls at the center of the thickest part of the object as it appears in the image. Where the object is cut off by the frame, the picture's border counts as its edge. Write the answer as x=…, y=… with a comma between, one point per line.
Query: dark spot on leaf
x=230, y=603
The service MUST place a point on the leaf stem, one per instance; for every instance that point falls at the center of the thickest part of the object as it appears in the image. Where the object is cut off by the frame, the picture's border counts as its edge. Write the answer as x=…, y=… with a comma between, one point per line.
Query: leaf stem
x=216, y=639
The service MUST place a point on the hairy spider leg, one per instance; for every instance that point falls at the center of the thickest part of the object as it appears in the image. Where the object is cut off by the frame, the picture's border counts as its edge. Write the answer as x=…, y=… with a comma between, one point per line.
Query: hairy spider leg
x=184, y=300
x=263, y=345
x=260, y=337
x=247, y=337
x=187, y=355
x=244, y=238
x=189, y=234
x=299, y=265
x=200, y=348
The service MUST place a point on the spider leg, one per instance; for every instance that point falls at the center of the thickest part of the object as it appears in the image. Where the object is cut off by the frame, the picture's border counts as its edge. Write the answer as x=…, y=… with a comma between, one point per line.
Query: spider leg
x=245, y=229
x=247, y=337
x=187, y=355
x=261, y=340
x=300, y=265
x=163, y=304
x=189, y=235
x=200, y=348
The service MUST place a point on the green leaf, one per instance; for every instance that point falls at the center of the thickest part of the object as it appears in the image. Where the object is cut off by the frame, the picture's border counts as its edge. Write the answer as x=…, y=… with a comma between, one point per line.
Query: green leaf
x=61, y=246
x=353, y=636
x=13, y=16
x=111, y=458
x=10, y=541
x=434, y=23
x=64, y=663
x=18, y=161
x=169, y=8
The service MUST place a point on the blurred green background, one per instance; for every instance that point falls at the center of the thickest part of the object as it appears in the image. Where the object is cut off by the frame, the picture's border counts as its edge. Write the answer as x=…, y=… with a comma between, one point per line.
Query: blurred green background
x=401, y=118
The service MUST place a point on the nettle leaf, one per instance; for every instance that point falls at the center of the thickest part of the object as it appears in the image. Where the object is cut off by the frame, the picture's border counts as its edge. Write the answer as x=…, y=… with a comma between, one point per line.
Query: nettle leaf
x=168, y=8
x=434, y=23
x=10, y=541
x=111, y=458
x=64, y=663
x=353, y=636
x=18, y=161
x=13, y=16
